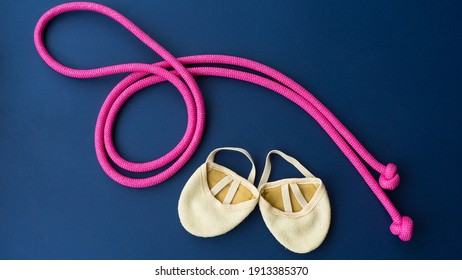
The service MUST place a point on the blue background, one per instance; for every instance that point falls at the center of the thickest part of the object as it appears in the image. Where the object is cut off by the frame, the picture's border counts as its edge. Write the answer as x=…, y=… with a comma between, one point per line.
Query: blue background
x=390, y=70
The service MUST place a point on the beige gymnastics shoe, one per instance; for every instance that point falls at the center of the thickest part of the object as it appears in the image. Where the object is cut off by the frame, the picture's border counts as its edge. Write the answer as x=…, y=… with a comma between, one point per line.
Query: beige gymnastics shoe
x=215, y=199
x=296, y=210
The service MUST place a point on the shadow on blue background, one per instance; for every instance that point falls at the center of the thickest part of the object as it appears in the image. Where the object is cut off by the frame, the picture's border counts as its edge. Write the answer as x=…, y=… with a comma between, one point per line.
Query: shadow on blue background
x=390, y=70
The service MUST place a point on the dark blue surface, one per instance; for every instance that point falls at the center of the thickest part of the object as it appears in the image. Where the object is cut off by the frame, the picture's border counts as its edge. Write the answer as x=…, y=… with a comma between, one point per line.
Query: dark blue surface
x=390, y=70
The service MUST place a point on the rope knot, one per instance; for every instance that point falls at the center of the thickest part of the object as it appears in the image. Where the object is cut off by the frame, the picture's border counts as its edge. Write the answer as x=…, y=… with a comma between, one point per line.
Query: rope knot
x=403, y=228
x=389, y=179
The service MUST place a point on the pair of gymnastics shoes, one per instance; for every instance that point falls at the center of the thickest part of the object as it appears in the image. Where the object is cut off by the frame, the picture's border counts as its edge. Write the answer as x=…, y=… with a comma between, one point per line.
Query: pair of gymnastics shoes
x=296, y=210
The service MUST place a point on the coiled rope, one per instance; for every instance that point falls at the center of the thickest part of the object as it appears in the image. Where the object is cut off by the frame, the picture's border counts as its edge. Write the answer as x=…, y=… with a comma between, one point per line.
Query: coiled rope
x=180, y=72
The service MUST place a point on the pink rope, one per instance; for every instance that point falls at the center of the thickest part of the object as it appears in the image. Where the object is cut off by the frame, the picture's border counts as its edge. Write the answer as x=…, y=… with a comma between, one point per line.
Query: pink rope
x=174, y=71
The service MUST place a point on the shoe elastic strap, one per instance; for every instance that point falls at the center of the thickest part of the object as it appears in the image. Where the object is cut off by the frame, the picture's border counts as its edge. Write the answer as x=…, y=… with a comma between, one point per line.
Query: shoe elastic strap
x=286, y=196
x=267, y=170
x=221, y=185
x=298, y=195
x=251, y=177
x=232, y=189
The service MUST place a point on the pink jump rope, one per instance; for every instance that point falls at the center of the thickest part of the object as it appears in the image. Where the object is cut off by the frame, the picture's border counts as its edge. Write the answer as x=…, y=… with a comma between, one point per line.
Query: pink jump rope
x=180, y=72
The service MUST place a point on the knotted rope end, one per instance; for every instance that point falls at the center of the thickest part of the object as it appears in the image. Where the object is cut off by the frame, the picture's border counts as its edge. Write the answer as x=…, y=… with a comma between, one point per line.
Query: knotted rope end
x=403, y=228
x=389, y=179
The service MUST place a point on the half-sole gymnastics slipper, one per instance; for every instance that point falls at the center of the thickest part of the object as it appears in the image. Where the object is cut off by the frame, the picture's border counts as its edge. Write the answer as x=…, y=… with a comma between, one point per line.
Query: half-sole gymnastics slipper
x=295, y=210
x=215, y=199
